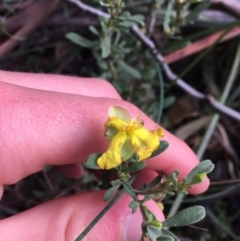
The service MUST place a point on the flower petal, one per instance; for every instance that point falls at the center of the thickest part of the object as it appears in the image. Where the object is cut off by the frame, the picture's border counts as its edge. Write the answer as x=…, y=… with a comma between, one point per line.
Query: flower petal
x=145, y=143
x=113, y=126
x=119, y=112
x=112, y=157
x=159, y=132
x=127, y=149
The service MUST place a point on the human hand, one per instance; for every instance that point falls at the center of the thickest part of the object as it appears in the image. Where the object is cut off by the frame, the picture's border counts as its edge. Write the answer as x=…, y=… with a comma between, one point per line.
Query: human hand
x=58, y=120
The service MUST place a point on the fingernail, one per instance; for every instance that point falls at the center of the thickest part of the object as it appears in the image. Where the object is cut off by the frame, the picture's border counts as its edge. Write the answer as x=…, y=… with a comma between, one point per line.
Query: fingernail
x=133, y=231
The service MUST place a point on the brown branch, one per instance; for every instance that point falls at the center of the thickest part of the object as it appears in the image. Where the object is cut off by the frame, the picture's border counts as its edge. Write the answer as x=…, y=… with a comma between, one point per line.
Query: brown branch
x=23, y=23
x=200, y=45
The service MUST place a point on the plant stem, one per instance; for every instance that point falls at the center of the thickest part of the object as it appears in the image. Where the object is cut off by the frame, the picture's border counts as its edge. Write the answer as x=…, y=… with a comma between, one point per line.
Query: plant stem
x=102, y=213
x=161, y=89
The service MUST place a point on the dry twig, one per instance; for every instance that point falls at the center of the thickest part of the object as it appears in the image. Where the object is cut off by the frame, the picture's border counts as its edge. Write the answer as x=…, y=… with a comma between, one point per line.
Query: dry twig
x=201, y=45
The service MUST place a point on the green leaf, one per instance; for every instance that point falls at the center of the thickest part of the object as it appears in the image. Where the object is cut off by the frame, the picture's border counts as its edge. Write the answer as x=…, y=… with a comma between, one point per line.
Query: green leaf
x=162, y=147
x=167, y=18
x=134, y=205
x=156, y=224
x=129, y=70
x=130, y=191
x=198, y=178
x=194, y=14
x=185, y=217
x=138, y=19
x=91, y=162
x=154, y=182
x=167, y=233
x=135, y=167
x=168, y=101
x=104, y=4
x=148, y=197
x=106, y=46
x=110, y=193
x=79, y=40
x=148, y=215
x=127, y=18
x=116, y=182
x=94, y=30
x=174, y=174
x=174, y=179
x=121, y=26
x=165, y=238
x=203, y=167
x=153, y=232
x=169, y=193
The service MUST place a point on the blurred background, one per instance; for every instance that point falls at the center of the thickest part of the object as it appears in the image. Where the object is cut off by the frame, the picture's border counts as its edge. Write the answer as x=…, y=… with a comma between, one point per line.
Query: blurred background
x=186, y=86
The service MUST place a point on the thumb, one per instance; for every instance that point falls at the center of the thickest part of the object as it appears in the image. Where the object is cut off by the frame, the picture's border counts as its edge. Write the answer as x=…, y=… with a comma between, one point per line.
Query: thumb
x=65, y=218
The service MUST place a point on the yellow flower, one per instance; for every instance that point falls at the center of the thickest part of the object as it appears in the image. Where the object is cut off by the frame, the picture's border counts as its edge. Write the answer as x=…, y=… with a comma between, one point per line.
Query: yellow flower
x=127, y=136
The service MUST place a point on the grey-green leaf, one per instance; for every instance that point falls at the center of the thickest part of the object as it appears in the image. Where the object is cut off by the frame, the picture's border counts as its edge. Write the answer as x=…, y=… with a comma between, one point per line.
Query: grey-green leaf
x=130, y=191
x=185, y=217
x=116, y=182
x=168, y=101
x=91, y=162
x=203, y=167
x=79, y=40
x=134, y=205
x=148, y=197
x=106, y=46
x=193, y=15
x=110, y=192
x=94, y=30
x=162, y=147
x=135, y=167
x=165, y=238
x=153, y=232
x=154, y=182
x=166, y=232
x=129, y=70
x=167, y=17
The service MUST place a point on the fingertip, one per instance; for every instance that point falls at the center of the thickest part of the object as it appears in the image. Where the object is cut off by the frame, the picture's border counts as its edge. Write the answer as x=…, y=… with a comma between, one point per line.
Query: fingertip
x=71, y=215
x=200, y=188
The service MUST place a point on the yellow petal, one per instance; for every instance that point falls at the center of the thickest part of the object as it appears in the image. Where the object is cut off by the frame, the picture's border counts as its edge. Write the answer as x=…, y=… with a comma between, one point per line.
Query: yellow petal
x=144, y=153
x=127, y=149
x=115, y=122
x=112, y=157
x=145, y=143
x=113, y=126
x=159, y=132
x=119, y=112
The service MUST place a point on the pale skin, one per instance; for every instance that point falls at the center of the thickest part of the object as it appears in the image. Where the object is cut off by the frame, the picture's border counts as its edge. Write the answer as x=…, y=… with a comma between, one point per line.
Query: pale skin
x=58, y=120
